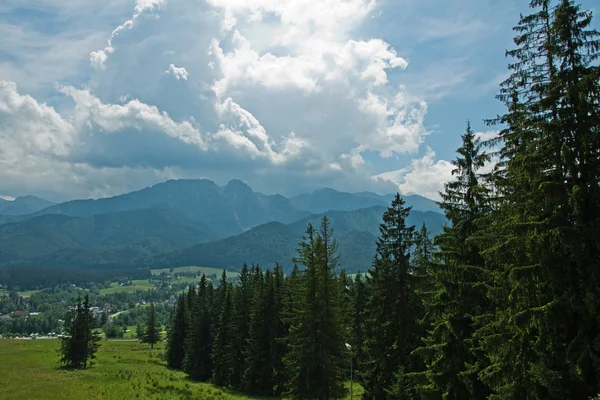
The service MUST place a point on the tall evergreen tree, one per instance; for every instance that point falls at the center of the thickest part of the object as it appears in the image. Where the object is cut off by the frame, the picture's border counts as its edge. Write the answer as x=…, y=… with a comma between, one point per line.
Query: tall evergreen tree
x=240, y=327
x=359, y=297
x=260, y=374
x=541, y=339
x=177, y=335
x=391, y=309
x=198, y=346
x=81, y=344
x=152, y=331
x=458, y=296
x=315, y=358
x=221, y=350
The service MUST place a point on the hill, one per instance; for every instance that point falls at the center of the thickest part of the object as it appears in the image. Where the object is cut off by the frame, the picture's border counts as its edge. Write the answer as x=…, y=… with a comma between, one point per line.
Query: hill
x=228, y=210
x=195, y=222
x=60, y=240
x=356, y=232
x=23, y=205
x=326, y=199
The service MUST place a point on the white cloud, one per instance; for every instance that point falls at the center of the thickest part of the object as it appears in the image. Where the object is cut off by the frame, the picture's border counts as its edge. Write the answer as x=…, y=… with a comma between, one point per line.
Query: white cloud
x=286, y=95
x=177, y=72
x=425, y=176
x=487, y=135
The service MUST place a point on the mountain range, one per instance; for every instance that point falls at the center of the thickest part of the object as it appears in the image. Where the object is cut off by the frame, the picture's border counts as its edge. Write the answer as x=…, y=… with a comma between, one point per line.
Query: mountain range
x=193, y=222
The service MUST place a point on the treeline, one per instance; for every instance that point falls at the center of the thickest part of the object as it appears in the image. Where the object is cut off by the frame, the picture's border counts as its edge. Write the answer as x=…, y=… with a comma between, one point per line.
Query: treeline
x=31, y=278
x=503, y=304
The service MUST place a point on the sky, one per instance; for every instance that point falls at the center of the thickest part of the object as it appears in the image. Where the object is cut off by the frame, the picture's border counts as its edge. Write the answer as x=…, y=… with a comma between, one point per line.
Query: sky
x=99, y=98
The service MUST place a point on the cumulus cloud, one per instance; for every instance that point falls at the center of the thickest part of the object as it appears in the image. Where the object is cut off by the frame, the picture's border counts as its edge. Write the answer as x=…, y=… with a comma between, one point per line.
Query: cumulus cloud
x=177, y=72
x=285, y=95
x=425, y=176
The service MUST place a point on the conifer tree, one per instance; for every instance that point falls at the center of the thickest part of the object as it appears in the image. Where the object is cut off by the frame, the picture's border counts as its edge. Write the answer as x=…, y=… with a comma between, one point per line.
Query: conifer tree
x=240, y=326
x=177, y=335
x=198, y=345
x=458, y=295
x=278, y=345
x=82, y=343
x=221, y=350
x=315, y=358
x=541, y=339
x=152, y=332
x=260, y=374
x=391, y=309
x=358, y=297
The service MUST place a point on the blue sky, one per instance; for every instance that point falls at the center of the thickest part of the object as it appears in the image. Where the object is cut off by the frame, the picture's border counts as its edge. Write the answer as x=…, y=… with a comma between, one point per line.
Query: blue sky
x=100, y=98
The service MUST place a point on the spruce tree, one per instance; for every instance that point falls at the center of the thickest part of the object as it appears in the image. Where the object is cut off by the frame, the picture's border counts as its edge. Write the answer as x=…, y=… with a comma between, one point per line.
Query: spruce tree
x=358, y=297
x=81, y=344
x=240, y=328
x=260, y=374
x=541, y=339
x=152, y=331
x=391, y=309
x=457, y=296
x=315, y=360
x=221, y=350
x=177, y=335
x=198, y=346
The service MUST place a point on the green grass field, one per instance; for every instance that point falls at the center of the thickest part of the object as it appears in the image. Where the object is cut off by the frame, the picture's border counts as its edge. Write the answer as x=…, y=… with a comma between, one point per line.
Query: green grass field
x=123, y=370
x=24, y=293
x=204, y=270
x=140, y=284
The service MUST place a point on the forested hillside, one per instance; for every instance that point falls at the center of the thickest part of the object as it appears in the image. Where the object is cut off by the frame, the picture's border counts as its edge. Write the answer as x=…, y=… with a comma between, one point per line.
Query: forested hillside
x=180, y=227
x=501, y=304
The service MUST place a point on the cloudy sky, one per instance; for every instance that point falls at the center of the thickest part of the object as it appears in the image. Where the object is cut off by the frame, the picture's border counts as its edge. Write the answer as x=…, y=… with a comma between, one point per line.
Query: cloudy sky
x=102, y=97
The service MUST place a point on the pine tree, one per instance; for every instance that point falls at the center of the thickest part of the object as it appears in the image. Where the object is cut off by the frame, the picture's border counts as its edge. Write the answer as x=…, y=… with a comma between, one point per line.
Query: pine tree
x=392, y=319
x=458, y=296
x=81, y=344
x=315, y=358
x=198, y=346
x=541, y=339
x=260, y=374
x=177, y=335
x=279, y=330
x=152, y=332
x=358, y=297
x=240, y=328
x=221, y=350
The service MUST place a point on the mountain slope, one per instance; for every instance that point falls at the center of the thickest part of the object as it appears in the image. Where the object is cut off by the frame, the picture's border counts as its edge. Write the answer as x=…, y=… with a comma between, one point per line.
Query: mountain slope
x=356, y=232
x=154, y=230
x=228, y=210
x=326, y=199
x=23, y=205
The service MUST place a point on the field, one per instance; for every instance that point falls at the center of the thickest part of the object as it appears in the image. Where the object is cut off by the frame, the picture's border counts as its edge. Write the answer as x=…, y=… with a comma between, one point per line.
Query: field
x=25, y=293
x=140, y=284
x=205, y=270
x=123, y=370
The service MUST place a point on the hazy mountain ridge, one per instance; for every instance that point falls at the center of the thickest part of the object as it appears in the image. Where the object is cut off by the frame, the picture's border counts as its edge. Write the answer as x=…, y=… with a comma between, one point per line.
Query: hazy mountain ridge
x=195, y=222
x=23, y=205
x=356, y=232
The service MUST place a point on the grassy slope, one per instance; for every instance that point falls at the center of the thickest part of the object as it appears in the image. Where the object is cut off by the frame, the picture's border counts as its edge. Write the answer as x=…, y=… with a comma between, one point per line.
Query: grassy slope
x=123, y=370
x=204, y=270
x=139, y=284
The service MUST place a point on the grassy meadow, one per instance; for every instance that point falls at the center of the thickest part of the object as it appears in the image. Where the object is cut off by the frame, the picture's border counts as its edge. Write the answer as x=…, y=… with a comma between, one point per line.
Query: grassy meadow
x=138, y=284
x=200, y=270
x=123, y=370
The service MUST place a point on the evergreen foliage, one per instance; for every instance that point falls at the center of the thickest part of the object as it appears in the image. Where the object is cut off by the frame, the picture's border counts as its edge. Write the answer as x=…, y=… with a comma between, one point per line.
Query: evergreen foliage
x=79, y=348
x=177, y=333
x=502, y=304
x=315, y=358
x=152, y=331
x=457, y=296
x=393, y=309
